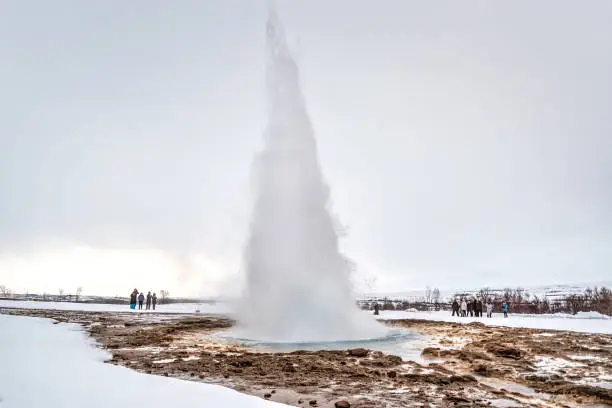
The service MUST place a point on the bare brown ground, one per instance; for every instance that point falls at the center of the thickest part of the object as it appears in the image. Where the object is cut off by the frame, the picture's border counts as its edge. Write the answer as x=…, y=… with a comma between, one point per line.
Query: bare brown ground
x=471, y=365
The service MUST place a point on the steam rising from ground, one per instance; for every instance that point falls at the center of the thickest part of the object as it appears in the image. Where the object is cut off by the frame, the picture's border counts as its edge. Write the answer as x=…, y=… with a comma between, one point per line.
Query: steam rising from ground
x=298, y=284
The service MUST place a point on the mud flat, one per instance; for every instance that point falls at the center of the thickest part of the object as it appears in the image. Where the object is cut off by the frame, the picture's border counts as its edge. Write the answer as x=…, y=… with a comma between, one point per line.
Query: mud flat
x=464, y=365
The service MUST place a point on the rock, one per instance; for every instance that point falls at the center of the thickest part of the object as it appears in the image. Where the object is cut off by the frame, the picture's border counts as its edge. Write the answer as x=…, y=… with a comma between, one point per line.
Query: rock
x=394, y=359
x=501, y=350
x=391, y=374
x=267, y=395
x=481, y=369
x=242, y=363
x=288, y=368
x=165, y=374
x=342, y=404
x=542, y=378
x=273, y=391
x=430, y=352
x=358, y=352
x=313, y=403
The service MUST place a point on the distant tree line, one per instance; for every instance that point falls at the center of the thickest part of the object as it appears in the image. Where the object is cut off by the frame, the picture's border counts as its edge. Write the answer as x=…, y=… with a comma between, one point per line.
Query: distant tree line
x=431, y=301
x=519, y=301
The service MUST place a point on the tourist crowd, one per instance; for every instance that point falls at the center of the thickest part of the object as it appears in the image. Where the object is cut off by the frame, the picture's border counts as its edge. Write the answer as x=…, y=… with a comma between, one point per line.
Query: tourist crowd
x=140, y=298
x=473, y=307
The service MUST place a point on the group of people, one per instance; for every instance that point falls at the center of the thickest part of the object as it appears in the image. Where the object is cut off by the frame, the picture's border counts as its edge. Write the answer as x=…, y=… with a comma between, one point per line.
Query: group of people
x=474, y=307
x=140, y=298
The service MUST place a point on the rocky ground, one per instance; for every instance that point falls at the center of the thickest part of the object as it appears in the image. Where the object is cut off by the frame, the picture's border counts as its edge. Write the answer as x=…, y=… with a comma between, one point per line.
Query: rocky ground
x=467, y=365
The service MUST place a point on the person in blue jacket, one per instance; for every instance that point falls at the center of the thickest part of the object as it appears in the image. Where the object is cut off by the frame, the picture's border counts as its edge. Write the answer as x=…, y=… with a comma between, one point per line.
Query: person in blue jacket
x=505, y=309
x=133, y=297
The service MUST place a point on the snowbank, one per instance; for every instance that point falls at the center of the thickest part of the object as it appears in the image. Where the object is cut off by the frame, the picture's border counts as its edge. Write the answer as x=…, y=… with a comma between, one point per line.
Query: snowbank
x=183, y=308
x=581, y=315
x=57, y=366
x=591, y=322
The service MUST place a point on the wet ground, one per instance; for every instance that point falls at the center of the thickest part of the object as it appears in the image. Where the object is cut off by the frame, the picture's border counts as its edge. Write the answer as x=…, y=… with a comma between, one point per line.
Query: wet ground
x=460, y=365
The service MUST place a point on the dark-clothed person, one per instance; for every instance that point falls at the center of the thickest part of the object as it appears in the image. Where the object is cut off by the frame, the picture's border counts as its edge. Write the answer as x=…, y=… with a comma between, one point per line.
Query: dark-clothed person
x=455, y=307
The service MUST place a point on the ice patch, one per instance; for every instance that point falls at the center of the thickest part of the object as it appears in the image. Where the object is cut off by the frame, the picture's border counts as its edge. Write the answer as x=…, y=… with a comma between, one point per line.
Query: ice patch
x=165, y=361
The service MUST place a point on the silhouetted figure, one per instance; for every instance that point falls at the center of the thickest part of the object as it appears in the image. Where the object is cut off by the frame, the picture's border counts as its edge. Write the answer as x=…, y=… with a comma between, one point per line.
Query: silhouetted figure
x=463, y=308
x=489, y=309
x=479, y=308
x=455, y=307
x=133, y=297
x=154, y=300
x=505, y=309
x=141, y=299
x=470, y=310
x=149, y=300
x=376, y=309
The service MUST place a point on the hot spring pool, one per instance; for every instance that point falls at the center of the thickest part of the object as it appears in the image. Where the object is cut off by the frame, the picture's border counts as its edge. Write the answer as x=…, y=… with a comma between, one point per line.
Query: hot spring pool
x=400, y=342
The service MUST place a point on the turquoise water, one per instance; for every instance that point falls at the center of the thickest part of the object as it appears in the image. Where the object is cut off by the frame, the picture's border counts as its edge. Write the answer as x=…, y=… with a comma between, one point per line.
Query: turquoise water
x=404, y=343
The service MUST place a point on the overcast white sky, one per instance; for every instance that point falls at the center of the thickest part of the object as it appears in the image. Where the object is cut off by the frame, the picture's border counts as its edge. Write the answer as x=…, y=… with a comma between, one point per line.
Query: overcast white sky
x=466, y=143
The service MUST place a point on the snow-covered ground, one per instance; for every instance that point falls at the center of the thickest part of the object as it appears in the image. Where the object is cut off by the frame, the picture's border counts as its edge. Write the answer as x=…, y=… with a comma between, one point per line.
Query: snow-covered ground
x=183, y=308
x=57, y=366
x=582, y=322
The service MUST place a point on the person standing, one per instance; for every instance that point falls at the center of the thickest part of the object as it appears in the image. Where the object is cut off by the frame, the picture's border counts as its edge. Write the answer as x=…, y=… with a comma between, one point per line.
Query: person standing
x=489, y=309
x=463, y=308
x=376, y=309
x=141, y=299
x=154, y=300
x=470, y=308
x=133, y=297
x=479, y=308
x=455, y=307
x=505, y=308
x=149, y=300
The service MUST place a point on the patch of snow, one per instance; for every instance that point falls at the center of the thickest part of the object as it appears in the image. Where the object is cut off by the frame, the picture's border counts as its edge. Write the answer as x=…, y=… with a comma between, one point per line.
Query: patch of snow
x=579, y=315
x=180, y=308
x=547, y=364
x=584, y=357
x=165, y=361
x=191, y=358
x=58, y=366
x=545, y=322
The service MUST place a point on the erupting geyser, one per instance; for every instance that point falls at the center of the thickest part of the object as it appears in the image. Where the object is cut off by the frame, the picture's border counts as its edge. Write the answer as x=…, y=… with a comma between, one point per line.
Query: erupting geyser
x=298, y=284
